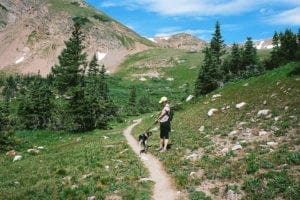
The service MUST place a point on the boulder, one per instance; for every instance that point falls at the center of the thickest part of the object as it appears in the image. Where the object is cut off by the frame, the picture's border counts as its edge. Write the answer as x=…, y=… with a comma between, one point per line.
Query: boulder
x=211, y=111
x=17, y=157
x=240, y=105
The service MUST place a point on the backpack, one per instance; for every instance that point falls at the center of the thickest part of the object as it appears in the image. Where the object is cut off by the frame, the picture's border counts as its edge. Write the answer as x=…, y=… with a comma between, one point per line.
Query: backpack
x=171, y=114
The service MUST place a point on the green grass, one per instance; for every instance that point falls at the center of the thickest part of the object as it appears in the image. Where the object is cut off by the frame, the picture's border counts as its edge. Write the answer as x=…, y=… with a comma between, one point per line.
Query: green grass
x=73, y=166
x=180, y=65
x=246, y=167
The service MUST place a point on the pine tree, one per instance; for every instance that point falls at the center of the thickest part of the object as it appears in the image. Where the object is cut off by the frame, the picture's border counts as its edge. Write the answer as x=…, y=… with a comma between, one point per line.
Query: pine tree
x=132, y=102
x=249, y=55
x=93, y=69
x=35, y=105
x=217, y=44
x=208, y=77
x=72, y=62
x=275, y=53
x=103, y=84
x=235, y=61
x=288, y=45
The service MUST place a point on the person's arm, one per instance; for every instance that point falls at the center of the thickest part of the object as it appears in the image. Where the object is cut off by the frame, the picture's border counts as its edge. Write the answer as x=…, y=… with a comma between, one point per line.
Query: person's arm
x=162, y=114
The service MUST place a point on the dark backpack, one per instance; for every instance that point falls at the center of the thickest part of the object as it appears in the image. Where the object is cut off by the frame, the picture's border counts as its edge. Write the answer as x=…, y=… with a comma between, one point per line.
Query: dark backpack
x=171, y=114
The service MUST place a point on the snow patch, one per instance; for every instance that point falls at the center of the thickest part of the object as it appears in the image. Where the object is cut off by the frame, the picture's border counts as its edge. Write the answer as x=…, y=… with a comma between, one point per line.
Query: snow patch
x=20, y=60
x=100, y=56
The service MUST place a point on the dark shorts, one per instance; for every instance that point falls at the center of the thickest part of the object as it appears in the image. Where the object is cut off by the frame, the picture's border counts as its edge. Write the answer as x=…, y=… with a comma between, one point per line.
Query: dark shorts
x=165, y=129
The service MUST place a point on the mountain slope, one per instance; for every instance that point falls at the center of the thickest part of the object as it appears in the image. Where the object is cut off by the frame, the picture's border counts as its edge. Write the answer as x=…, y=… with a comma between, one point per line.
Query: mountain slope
x=244, y=150
x=32, y=34
x=181, y=41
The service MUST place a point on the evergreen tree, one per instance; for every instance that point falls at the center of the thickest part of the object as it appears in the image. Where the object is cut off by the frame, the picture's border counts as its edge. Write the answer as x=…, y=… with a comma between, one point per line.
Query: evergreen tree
x=72, y=62
x=217, y=46
x=288, y=45
x=207, y=80
x=249, y=55
x=35, y=105
x=103, y=84
x=298, y=46
x=132, y=102
x=9, y=91
x=275, y=53
x=235, y=61
x=93, y=69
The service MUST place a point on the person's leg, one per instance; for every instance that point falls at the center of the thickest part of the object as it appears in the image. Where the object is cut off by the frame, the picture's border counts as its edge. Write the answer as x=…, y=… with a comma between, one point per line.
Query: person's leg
x=162, y=132
x=165, y=144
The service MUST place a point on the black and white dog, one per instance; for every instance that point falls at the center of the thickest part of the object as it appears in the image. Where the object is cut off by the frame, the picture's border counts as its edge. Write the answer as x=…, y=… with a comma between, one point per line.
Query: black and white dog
x=143, y=141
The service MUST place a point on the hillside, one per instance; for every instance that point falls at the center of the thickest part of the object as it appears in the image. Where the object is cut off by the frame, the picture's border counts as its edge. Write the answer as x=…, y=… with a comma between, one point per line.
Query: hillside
x=244, y=150
x=32, y=34
x=180, y=41
x=247, y=149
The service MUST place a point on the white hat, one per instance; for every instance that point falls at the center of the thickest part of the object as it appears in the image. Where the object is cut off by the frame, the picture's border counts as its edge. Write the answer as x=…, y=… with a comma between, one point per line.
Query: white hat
x=163, y=99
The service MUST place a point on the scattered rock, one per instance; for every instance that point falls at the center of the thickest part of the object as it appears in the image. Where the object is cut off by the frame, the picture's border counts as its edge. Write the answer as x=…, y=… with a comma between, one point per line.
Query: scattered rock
x=272, y=143
x=193, y=156
x=236, y=147
x=92, y=198
x=211, y=111
x=105, y=137
x=33, y=151
x=262, y=133
x=142, y=79
x=242, y=123
x=232, y=133
x=201, y=129
x=216, y=96
x=263, y=112
x=78, y=139
x=190, y=97
x=145, y=180
x=11, y=153
x=276, y=118
x=265, y=102
x=274, y=128
x=225, y=150
x=286, y=108
x=17, y=157
x=231, y=195
x=240, y=105
x=246, y=84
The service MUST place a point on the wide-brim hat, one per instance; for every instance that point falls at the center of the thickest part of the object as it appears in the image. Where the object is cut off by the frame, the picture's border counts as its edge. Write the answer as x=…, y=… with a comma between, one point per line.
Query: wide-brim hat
x=163, y=99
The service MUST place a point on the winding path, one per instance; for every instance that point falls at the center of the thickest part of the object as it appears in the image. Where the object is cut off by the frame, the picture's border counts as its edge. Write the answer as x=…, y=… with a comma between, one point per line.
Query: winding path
x=163, y=188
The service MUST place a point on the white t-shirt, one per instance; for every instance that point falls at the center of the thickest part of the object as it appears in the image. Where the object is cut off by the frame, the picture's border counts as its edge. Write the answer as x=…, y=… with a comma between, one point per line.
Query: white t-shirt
x=166, y=116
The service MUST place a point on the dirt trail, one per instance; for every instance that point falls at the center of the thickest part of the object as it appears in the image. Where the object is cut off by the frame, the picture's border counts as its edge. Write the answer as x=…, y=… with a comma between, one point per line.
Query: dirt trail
x=163, y=188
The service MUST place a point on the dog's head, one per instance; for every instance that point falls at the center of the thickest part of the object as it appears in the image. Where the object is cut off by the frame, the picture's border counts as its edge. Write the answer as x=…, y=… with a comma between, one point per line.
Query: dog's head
x=148, y=133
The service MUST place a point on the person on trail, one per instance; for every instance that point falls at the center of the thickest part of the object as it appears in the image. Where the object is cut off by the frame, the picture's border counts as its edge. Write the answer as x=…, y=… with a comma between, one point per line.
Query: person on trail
x=165, y=125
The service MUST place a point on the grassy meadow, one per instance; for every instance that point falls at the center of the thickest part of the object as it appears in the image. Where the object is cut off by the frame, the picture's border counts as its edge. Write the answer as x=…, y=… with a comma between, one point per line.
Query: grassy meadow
x=73, y=166
x=266, y=166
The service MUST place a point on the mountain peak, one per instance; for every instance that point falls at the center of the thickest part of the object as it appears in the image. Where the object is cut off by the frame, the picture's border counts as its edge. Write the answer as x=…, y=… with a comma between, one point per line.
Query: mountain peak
x=32, y=34
x=180, y=41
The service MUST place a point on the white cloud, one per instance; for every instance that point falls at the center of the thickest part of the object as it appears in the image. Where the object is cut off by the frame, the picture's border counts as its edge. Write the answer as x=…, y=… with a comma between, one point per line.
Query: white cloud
x=199, y=8
x=288, y=17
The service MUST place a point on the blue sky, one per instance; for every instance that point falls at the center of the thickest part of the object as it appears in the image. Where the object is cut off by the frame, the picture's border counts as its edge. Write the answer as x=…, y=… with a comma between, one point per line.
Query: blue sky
x=239, y=19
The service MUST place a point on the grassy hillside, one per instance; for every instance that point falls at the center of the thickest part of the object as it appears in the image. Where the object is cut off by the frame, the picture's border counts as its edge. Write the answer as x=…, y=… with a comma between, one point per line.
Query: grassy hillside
x=204, y=163
x=266, y=164
x=74, y=166
x=157, y=72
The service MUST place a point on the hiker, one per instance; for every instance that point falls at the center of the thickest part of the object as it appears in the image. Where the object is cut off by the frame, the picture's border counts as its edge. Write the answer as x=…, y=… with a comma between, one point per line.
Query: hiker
x=165, y=125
